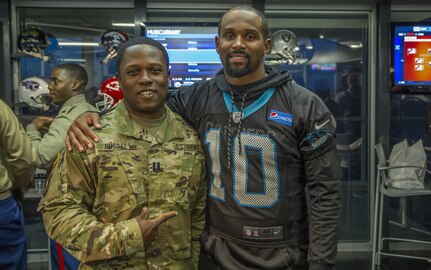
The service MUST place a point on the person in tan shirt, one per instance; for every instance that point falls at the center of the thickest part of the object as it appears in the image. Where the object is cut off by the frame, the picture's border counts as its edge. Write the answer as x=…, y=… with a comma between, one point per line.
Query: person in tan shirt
x=67, y=88
x=17, y=166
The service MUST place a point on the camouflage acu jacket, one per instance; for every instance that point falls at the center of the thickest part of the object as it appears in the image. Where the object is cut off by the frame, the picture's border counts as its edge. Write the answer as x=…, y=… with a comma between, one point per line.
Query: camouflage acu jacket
x=93, y=197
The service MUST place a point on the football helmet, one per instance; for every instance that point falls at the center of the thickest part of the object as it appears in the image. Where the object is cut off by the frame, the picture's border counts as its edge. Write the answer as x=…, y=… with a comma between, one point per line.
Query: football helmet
x=110, y=41
x=284, y=44
x=33, y=42
x=110, y=93
x=34, y=92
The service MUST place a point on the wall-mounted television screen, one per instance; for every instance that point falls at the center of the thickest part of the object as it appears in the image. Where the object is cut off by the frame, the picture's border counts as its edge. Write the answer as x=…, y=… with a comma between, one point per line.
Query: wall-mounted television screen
x=191, y=50
x=411, y=57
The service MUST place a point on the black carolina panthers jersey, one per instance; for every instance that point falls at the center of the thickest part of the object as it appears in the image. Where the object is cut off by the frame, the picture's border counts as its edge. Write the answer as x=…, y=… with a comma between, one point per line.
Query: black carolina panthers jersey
x=260, y=158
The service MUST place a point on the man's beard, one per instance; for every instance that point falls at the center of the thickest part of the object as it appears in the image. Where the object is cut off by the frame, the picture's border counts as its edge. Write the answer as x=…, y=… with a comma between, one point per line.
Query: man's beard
x=232, y=71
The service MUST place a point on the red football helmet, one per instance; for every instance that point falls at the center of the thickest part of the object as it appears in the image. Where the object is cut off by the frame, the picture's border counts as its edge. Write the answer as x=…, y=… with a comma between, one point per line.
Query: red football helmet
x=111, y=93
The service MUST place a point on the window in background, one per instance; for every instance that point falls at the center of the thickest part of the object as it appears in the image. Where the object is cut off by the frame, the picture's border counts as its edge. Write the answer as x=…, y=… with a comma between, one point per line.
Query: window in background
x=333, y=63
x=410, y=116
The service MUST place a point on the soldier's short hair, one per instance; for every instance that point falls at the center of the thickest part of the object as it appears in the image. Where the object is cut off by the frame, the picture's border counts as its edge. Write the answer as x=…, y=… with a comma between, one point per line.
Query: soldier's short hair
x=141, y=41
x=75, y=71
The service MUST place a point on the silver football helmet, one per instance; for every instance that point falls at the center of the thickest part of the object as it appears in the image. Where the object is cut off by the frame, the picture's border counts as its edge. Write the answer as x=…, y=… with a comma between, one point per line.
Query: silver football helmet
x=284, y=44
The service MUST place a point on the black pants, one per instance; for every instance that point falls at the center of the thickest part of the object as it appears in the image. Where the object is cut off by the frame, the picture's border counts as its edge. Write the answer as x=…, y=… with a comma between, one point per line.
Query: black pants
x=206, y=262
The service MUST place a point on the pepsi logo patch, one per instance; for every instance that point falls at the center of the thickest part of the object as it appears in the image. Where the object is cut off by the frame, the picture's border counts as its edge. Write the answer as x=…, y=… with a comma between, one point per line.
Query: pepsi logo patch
x=280, y=117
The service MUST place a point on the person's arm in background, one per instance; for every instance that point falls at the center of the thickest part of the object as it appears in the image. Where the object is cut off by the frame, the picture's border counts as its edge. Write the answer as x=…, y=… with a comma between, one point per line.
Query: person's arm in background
x=66, y=209
x=41, y=123
x=322, y=173
x=51, y=143
x=19, y=153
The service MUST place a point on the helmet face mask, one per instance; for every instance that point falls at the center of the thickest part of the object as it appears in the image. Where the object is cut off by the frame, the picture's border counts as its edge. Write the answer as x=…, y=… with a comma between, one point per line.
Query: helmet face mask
x=43, y=101
x=110, y=93
x=34, y=92
x=106, y=103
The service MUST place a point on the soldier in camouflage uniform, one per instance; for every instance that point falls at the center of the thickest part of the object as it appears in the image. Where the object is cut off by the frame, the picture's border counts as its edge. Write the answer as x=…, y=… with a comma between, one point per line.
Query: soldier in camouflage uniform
x=66, y=88
x=137, y=200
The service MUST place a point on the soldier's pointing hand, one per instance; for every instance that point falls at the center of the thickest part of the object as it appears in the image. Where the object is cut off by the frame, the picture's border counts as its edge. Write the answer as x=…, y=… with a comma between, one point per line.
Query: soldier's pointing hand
x=148, y=227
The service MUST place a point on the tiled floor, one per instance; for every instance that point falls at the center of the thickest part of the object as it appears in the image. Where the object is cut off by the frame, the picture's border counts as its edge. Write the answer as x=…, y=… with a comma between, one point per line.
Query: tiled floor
x=362, y=261
x=346, y=261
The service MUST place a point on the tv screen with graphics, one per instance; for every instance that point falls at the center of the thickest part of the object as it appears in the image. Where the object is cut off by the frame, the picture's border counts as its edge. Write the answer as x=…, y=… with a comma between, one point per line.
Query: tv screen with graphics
x=191, y=50
x=411, y=57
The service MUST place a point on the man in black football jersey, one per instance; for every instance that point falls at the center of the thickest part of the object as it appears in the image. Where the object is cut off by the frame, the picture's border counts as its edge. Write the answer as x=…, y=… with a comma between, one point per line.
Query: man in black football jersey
x=266, y=140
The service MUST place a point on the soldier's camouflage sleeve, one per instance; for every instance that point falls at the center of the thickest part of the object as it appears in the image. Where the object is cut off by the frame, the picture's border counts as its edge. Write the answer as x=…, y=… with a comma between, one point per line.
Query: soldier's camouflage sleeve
x=198, y=215
x=67, y=213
